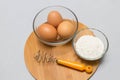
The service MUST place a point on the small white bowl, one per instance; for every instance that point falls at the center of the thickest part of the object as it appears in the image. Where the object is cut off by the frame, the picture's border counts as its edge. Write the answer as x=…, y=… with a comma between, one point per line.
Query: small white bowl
x=93, y=32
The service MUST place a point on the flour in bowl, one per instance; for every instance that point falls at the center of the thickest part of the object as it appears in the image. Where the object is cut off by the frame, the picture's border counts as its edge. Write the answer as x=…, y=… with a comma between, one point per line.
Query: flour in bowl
x=89, y=47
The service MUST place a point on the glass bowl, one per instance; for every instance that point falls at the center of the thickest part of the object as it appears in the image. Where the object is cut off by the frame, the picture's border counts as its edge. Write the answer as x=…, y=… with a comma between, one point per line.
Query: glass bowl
x=78, y=48
x=41, y=17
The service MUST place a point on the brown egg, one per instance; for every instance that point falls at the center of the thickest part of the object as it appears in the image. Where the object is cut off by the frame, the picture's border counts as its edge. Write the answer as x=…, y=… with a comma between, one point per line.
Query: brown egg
x=54, y=18
x=47, y=32
x=66, y=29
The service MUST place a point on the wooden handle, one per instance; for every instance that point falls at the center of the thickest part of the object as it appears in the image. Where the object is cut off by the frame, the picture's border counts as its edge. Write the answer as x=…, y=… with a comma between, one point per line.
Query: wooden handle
x=77, y=66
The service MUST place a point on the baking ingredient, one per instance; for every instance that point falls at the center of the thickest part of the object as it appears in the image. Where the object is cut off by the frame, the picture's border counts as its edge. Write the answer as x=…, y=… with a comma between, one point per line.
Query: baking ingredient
x=77, y=66
x=59, y=38
x=47, y=32
x=89, y=47
x=66, y=29
x=54, y=18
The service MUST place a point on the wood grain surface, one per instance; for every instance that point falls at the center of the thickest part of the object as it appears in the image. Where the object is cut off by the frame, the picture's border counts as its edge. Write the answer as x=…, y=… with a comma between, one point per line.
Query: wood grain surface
x=41, y=70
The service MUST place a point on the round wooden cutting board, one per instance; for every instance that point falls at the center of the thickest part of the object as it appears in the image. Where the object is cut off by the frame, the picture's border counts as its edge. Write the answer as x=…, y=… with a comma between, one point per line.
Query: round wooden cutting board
x=42, y=70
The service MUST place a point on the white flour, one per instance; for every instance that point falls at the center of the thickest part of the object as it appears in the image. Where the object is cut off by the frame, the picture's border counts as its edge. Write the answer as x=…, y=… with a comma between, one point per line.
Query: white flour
x=89, y=47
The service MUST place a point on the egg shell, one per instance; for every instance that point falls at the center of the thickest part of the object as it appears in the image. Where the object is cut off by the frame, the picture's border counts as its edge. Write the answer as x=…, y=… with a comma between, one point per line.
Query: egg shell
x=47, y=32
x=66, y=29
x=54, y=18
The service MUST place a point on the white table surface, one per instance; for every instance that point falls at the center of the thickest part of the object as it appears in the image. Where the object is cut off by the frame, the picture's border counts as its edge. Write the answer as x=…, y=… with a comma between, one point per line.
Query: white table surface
x=16, y=18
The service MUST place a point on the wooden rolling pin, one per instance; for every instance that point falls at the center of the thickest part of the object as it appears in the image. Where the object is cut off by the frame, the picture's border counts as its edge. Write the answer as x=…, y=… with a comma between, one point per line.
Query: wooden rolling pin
x=77, y=66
